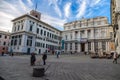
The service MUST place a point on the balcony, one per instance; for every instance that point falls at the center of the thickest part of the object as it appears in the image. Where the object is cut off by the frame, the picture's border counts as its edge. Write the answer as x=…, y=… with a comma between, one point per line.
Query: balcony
x=77, y=40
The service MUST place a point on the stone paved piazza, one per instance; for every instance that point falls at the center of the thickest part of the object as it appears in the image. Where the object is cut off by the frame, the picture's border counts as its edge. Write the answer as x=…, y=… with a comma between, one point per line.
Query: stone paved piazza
x=67, y=67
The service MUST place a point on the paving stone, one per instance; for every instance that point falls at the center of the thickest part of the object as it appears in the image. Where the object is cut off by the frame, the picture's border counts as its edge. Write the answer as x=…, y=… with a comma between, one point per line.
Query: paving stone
x=67, y=67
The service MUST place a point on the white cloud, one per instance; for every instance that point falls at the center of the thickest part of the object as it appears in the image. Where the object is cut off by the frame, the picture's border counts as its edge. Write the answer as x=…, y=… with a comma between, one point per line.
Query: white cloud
x=23, y=6
x=5, y=24
x=93, y=3
x=10, y=7
x=96, y=2
x=56, y=7
x=53, y=21
x=10, y=10
x=58, y=10
x=67, y=9
x=6, y=15
x=30, y=2
x=82, y=9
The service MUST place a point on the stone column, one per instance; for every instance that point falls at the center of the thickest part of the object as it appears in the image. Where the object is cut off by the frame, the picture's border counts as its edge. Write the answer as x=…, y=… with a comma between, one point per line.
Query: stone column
x=93, y=47
x=73, y=46
x=26, y=25
x=108, y=46
x=23, y=43
x=78, y=35
x=24, y=40
x=68, y=47
x=79, y=48
x=73, y=35
x=86, y=34
x=86, y=47
x=92, y=33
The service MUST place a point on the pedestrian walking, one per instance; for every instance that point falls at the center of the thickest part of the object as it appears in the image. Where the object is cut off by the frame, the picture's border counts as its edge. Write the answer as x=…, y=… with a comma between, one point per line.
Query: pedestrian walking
x=115, y=55
x=12, y=54
x=57, y=53
x=44, y=57
x=32, y=59
x=71, y=52
x=2, y=54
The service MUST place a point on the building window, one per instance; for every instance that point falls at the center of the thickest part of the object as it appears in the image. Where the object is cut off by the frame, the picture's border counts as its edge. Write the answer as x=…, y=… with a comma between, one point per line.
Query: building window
x=44, y=33
x=37, y=30
x=70, y=46
x=15, y=29
x=47, y=34
x=96, y=46
x=4, y=43
x=21, y=27
x=43, y=45
x=103, y=45
x=19, y=41
x=89, y=33
x=5, y=37
x=29, y=41
x=3, y=48
x=11, y=42
x=66, y=37
x=82, y=34
x=46, y=46
x=66, y=46
x=111, y=34
x=41, y=32
x=96, y=33
x=15, y=42
x=0, y=36
x=18, y=27
x=50, y=35
x=39, y=25
x=89, y=45
x=76, y=46
x=71, y=36
x=30, y=27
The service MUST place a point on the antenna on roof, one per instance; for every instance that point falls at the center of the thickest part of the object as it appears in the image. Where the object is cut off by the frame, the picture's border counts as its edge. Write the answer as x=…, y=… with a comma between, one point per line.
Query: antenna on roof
x=36, y=5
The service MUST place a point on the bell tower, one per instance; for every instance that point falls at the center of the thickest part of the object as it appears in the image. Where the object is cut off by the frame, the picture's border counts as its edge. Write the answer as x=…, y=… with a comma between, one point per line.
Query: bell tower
x=35, y=14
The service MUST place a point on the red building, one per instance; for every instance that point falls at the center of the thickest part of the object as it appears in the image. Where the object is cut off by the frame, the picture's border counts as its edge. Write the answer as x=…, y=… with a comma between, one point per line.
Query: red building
x=4, y=42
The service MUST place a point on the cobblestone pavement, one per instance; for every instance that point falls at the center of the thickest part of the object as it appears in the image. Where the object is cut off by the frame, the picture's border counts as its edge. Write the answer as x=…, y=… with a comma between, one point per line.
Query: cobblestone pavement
x=67, y=67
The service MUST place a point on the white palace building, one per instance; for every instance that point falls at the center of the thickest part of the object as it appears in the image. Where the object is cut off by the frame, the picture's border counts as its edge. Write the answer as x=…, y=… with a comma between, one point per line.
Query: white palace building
x=88, y=35
x=30, y=34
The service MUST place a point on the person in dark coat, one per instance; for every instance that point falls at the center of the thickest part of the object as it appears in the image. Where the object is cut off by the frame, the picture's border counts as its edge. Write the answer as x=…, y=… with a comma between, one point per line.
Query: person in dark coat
x=44, y=57
x=115, y=56
x=32, y=59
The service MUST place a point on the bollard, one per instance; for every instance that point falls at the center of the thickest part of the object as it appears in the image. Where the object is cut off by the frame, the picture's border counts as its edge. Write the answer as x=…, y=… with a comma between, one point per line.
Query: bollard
x=1, y=78
x=38, y=72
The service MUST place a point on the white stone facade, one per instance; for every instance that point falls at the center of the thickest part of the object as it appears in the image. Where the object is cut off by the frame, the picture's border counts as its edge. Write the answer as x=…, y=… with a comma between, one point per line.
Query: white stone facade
x=83, y=35
x=30, y=34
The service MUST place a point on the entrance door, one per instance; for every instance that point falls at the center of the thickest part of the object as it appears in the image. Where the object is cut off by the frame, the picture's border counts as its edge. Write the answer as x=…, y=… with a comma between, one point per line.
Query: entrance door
x=82, y=47
x=39, y=51
x=28, y=51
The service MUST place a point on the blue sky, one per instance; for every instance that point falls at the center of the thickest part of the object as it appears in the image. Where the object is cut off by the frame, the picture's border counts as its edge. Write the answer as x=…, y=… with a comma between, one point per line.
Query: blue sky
x=54, y=12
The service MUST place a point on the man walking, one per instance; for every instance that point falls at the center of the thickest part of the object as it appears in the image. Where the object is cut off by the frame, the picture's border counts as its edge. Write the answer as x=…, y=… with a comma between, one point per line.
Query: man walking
x=44, y=57
x=32, y=59
x=115, y=55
